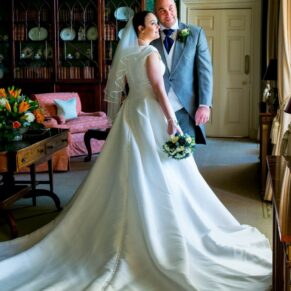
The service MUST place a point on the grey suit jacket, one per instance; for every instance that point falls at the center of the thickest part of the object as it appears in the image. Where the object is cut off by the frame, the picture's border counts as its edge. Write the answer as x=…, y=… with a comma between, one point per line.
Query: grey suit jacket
x=191, y=73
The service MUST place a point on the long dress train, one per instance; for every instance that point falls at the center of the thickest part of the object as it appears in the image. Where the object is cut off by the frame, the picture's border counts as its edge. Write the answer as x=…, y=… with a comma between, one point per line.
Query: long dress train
x=140, y=220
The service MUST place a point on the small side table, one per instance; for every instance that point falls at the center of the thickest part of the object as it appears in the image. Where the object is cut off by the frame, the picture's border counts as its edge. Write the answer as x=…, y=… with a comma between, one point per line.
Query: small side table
x=266, y=120
x=93, y=133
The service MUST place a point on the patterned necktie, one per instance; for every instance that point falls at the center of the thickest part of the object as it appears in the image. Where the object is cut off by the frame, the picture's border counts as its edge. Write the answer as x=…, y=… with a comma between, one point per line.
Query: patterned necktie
x=168, y=41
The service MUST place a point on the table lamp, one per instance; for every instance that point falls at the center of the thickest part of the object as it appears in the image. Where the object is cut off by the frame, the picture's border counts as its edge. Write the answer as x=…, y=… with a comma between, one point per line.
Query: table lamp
x=271, y=74
x=288, y=107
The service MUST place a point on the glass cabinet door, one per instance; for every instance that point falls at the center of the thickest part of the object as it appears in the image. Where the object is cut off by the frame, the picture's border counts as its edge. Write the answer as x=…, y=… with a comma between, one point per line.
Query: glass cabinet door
x=77, y=40
x=4, y=40
x=116, y=15
x=32, y=39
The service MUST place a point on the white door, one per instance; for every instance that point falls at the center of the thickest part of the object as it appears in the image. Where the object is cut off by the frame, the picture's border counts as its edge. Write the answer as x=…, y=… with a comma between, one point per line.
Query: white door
x=228, y=32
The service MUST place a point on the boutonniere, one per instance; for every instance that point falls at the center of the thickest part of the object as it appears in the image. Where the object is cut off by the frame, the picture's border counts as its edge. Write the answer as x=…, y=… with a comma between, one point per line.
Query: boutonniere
x=183, y=34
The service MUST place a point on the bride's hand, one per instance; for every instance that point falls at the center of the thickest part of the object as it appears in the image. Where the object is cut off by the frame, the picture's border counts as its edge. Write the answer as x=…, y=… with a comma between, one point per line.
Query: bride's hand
x=173, y=127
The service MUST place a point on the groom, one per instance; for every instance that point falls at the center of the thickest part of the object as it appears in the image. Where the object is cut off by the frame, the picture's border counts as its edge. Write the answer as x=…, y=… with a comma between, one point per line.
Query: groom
x=188, y=76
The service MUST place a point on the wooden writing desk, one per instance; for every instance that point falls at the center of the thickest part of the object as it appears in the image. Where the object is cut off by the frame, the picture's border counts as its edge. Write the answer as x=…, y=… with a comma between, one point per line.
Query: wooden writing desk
x=279, y=167
x=28, y=153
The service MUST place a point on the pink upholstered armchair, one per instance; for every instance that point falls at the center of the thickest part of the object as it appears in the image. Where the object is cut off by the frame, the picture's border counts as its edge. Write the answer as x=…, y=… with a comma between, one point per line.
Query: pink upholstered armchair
x=64, y=110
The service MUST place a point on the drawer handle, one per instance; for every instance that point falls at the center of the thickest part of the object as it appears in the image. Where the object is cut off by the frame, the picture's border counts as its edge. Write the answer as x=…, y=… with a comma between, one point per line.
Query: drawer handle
x=50, y=147
x=23, y=160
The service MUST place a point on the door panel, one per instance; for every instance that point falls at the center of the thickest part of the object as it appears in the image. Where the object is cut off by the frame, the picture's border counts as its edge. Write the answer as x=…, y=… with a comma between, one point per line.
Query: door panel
x=228, y=32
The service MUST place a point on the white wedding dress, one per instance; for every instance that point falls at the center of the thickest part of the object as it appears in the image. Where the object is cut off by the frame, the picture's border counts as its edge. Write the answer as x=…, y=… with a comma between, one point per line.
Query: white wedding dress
x=140, y=221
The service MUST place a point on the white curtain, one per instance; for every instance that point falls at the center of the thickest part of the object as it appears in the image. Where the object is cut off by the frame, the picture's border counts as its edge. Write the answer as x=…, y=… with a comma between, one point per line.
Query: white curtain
x=282, y=120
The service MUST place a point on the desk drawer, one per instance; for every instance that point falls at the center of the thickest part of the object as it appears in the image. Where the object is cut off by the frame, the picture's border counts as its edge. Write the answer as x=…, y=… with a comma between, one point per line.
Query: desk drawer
x=30, y=155
x=56, y=143
x=3, y=162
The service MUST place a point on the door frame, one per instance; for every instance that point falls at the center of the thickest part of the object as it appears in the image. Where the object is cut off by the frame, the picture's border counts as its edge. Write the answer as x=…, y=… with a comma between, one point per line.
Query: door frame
x=255, y=83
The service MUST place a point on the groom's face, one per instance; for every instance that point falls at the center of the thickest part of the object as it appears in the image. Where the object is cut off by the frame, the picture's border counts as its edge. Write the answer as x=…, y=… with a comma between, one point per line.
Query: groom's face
x=166, y=11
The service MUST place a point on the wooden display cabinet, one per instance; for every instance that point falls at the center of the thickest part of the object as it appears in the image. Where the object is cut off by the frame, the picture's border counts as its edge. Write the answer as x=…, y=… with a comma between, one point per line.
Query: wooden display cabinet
x=5, y=56
x=32, y=40
x=61, y=45
x=115, y=18
x=77, y=40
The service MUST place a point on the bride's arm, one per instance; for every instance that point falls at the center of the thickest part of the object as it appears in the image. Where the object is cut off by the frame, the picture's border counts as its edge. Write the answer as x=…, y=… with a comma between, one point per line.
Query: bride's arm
x=155, y=76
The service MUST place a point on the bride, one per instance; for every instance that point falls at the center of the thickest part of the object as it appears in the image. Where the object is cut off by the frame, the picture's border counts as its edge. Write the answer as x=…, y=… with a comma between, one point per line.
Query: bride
x=140, y=220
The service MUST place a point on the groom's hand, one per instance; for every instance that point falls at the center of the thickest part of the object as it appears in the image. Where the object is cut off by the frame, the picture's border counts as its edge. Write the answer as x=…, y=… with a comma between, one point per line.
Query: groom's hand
x=202, y=115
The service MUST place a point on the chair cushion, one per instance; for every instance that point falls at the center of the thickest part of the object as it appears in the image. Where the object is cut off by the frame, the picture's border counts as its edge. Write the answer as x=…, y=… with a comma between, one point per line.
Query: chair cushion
x=83, y=123
x=66, y=108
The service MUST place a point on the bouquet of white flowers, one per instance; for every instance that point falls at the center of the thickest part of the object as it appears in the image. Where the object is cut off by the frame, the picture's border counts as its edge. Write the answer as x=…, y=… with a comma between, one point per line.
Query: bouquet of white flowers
x=179, y=146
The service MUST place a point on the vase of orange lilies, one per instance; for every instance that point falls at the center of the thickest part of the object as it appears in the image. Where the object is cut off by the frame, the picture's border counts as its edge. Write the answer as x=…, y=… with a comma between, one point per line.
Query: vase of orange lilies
x=18, y=113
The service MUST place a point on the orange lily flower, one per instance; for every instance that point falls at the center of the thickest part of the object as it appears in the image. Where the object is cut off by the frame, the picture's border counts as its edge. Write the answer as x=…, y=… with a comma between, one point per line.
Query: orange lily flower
x=23, y=106
x=8, y=107
x=14, y=93
x=2, y=92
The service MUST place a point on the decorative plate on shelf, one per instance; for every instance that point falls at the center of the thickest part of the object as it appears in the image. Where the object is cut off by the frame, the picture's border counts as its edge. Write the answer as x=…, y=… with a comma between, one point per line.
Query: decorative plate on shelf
x=37, y=33
x=123, y=13
x=92, y=33
x=67, y=34
x=26, y=53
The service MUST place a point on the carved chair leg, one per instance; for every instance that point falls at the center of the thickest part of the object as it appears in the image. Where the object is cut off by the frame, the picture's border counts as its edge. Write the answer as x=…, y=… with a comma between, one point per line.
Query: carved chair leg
x=93, y=133
x=87, y=139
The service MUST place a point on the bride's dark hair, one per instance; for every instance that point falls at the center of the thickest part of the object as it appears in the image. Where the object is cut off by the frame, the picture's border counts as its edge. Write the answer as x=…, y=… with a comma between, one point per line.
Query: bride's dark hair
x=139, y=19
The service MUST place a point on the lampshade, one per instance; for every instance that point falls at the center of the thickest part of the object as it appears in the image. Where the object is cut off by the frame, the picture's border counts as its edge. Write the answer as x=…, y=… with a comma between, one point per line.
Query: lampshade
x=288, y=107
x=272, y=70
